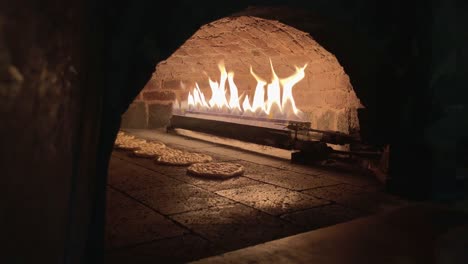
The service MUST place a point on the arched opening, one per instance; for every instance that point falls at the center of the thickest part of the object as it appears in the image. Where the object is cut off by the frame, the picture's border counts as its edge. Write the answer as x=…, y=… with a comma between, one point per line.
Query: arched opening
x=325, y=95
x=270, y=192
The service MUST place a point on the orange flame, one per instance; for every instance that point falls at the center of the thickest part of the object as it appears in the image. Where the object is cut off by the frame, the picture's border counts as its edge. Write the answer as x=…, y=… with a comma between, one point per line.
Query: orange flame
x=279, y=101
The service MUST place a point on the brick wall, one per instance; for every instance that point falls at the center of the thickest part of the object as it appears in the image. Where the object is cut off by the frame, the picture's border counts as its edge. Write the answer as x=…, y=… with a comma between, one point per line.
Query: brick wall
x=325, y=94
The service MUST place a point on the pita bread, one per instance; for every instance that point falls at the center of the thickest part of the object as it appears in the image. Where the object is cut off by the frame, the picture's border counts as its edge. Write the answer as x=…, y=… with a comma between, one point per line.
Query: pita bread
x=131, y=144
x=181, y=158
x=220, y=170
x=151, y=149
x=122, y=138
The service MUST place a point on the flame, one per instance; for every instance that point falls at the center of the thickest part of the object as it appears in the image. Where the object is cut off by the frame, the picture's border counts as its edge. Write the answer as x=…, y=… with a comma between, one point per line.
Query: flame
x=258, y=105
x=279, y=101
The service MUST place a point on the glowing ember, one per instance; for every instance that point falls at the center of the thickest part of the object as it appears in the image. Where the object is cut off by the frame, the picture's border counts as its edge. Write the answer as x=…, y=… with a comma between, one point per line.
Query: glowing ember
x=279, y=102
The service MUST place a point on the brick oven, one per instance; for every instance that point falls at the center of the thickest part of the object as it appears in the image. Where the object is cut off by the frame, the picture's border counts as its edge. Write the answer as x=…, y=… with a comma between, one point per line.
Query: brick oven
x=325, y=94
x=251, y=47
x=73, y=72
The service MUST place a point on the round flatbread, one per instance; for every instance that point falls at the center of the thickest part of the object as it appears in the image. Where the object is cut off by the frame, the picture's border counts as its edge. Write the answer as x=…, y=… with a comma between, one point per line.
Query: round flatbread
x=122, y=138
x=150, y=150
x=181, y=158
x=131, y=144
x=219, y=170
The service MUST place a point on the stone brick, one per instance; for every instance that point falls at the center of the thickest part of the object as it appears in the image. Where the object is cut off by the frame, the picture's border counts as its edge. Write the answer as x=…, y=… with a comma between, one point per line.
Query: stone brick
x=138, y=98
x=296, y=60
x=257, y=42
x=243, y=34
x=271, y=199
x=214, y=31
x=353, y=120
x=323, y=216
x=327, y=120
x=292, y=45
x=135, y=116
x=157, y=95
x=319, y=68
x=320, y=84
x=180, y=249
x=152, y=84
x=181, y=52
x=342, y=81
x=159, y=115
x=335, y=98
x=342, y=120
x=194, y=51
x=308, y=99
x=171, y=84
x=129, y=222
x=310, y=116
x=232, y=48
x=173, y=199
x=235, y=226
x=270, y=52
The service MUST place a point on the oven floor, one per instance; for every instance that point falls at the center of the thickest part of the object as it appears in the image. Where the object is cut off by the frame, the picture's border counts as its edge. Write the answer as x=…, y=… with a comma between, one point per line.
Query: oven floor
x=157, y=213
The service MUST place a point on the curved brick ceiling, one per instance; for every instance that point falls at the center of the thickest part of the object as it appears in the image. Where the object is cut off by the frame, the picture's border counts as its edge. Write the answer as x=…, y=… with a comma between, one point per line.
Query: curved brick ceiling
x=325, y=94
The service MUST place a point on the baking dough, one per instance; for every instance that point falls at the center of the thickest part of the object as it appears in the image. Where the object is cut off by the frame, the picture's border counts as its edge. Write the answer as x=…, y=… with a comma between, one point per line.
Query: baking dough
x=220, y=170
x=151, y=149
x=122, y=138
x=181, y=158
x=131, y=144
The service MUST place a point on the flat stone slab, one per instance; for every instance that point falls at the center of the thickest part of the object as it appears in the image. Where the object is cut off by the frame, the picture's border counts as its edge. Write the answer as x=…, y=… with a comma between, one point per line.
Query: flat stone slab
x=356, y=179
x=244, y=155
x=288, y=179
x=235, y=226
x=309, y=170
x=357, y=198
x=271, y=199
x=177, y=199
x=413, y=234
x=129, y=222
x=323, y=216
x=280, y=167
x=255, y=168
x=374, y=202
x=151, y=164
x=334, y=193
x=179, y=249
x=214, y=185
x=127, y=176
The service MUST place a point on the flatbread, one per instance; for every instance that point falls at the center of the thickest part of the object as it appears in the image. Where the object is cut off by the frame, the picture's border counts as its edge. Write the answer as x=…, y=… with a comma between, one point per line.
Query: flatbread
x=181, y=158
x=131, y=144
x=150, y=150
x=122, y=138
x=220, y=170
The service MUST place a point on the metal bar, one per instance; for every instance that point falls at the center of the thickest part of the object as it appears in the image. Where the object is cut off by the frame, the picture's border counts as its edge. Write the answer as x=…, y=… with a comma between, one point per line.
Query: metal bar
x=268, y=136
x=296, y=126
x=274, y=136
x=232, y=120
x=243, y=117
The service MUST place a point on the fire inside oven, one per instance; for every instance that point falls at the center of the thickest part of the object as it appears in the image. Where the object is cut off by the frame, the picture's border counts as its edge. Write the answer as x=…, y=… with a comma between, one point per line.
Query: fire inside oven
x=255, y=80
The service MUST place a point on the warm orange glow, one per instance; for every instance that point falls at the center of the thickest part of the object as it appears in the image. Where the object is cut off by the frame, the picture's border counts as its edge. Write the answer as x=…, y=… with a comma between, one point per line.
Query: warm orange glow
x=279, y=101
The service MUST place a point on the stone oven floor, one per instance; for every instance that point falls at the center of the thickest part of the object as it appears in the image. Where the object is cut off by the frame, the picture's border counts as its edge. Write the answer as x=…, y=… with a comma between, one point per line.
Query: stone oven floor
x=159, y=214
